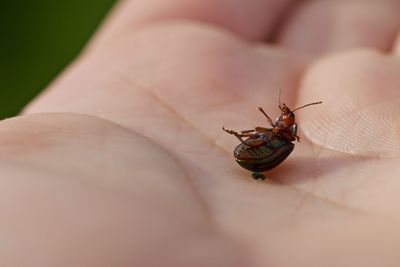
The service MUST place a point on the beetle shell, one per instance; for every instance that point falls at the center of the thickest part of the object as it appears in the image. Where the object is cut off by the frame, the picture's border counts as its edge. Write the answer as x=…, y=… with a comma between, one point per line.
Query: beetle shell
x=266, y=156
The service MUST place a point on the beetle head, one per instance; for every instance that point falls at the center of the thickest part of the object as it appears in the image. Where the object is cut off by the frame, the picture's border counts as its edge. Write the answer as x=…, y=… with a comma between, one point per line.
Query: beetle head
x=284, y=109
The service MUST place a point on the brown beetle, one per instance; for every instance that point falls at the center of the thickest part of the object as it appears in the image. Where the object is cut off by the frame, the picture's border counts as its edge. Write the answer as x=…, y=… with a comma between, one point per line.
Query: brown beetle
x=266, y=148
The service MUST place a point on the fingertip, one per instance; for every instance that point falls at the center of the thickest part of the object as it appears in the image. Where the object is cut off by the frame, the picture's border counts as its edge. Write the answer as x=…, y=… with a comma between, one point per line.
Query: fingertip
x=361, y=105
x=320, y=27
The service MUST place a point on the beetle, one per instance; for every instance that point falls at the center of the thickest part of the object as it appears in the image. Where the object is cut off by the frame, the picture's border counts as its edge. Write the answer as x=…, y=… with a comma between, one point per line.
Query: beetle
x=266, y=148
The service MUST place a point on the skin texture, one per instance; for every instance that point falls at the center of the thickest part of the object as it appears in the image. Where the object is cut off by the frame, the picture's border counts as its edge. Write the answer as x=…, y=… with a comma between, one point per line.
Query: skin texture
x=129, y=166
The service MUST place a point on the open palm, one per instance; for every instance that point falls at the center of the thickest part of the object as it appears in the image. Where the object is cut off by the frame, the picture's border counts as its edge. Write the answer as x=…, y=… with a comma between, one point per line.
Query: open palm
x=148, y=178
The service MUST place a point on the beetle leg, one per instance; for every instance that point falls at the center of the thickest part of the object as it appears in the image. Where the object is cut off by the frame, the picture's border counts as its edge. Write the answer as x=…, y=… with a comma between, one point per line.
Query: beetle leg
x=246, y=131
x=294, y=128
x=265, y=130
x=262, y=129
x=257, y=175
x=229, y=131
x=239, y=136
x=269, y=144
x=236, y=134
x=294, y=132
x=265, y=114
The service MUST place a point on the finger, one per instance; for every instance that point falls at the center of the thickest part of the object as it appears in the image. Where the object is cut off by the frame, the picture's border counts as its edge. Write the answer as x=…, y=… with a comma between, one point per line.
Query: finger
x=359, y=122
x=251, y=19
x=360, y=113
x=319, y=26
x=93, y=193
x=354, y=133
x=396, y=47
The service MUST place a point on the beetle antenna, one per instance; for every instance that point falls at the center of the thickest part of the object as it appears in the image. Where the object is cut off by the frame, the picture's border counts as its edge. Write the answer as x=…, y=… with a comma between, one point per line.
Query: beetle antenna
x=280, y=104
x=315, y=103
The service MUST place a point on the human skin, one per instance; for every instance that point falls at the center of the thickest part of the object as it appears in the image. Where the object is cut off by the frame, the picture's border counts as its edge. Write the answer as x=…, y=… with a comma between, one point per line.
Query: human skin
x=127, y=164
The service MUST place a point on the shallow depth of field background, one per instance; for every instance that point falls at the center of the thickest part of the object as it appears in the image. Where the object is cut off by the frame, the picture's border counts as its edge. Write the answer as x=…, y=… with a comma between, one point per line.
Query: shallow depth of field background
x=38, y=39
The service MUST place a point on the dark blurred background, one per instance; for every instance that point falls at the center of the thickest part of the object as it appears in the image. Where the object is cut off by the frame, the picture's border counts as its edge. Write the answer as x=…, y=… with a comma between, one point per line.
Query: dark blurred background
x=38, y=39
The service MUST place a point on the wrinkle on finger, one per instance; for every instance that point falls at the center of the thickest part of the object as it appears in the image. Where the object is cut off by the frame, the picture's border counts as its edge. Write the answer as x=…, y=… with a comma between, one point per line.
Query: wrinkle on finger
x=252, y=19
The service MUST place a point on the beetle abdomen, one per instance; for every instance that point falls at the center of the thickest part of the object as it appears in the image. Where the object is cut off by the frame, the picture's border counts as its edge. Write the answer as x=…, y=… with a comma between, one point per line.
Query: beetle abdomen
x=265, y=157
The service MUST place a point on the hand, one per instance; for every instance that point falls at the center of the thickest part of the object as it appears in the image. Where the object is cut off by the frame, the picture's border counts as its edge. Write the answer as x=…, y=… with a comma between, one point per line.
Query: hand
x=148, y=179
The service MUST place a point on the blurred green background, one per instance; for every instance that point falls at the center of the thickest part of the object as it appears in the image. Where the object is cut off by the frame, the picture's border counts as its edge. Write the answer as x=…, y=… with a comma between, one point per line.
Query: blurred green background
x=38, y=39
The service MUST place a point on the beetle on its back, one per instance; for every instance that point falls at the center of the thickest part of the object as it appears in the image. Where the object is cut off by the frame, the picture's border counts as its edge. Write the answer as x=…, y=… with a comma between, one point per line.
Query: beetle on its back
x=266, y=148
